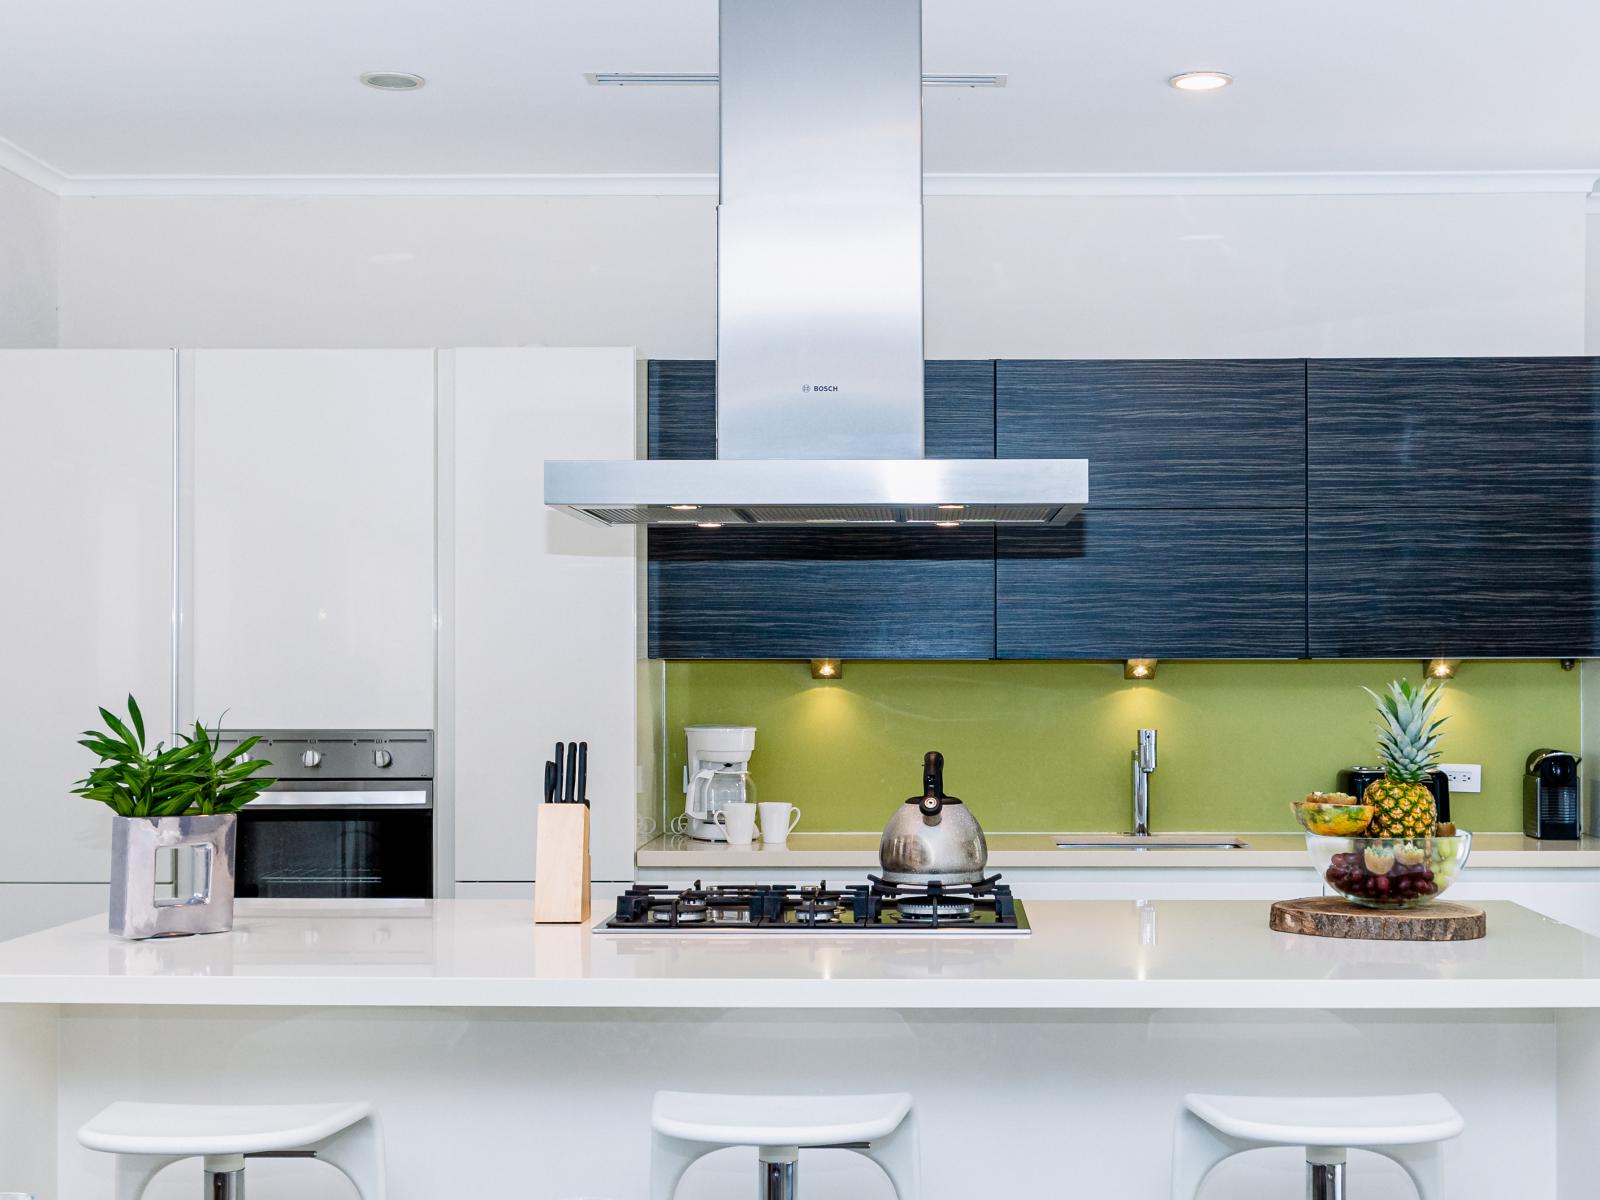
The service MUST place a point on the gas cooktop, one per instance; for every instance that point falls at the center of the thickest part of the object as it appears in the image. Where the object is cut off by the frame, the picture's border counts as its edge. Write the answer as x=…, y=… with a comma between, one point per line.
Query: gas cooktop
x=875, y=907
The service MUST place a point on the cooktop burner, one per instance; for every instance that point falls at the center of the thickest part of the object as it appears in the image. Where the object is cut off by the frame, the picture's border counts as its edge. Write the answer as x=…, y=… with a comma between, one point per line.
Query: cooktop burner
x=986, y=907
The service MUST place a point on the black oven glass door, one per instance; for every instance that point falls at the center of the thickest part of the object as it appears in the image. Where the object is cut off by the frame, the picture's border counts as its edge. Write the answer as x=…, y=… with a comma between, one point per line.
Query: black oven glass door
x=336, y=854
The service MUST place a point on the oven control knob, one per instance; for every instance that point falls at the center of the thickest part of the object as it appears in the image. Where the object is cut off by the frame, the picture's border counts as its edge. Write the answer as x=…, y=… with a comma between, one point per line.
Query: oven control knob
x=382, y=758
x=311, y=758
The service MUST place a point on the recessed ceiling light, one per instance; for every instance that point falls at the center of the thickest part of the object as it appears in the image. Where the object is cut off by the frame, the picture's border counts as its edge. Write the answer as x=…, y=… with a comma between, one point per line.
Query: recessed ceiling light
x=1200, y=81
x=392, y=81
x=711, y=79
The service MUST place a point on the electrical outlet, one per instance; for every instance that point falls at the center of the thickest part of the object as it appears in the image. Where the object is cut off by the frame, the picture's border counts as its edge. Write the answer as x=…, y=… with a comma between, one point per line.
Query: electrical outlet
x=1464, y=777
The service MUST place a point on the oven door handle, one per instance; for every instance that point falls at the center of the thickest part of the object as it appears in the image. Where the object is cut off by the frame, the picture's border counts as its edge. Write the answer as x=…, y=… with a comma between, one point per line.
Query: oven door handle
x=417, y=798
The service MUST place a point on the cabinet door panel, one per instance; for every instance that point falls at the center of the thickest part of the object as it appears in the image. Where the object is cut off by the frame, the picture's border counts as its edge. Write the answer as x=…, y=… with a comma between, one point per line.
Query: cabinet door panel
x=545, y=605
x=683, y=408
x=1162, y=434
x=1448, y=431
x=1163, y=584
x=958, y=409
x=86, y=476
x=853, y=593
x=1485, y=581
x=958, y=398
x=797, y=593
x=313, y=600
x=1454, y=507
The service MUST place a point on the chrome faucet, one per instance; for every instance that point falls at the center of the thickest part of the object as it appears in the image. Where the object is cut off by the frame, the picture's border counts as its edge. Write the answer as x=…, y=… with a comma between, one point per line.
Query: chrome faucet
x=1144, y=763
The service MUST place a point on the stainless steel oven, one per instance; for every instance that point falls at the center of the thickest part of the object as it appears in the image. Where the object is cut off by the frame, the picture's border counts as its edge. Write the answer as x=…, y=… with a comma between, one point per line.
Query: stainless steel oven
x=350, y=816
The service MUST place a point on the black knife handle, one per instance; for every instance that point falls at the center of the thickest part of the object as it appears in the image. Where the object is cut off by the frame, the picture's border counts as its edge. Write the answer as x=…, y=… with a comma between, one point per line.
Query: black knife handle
x=571, y=784
x=583, y=772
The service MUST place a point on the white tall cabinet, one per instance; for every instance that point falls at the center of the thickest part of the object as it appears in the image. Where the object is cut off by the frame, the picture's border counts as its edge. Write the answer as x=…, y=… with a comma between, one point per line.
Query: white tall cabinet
x=86, y=492
x=310, y=594
x=542, y=609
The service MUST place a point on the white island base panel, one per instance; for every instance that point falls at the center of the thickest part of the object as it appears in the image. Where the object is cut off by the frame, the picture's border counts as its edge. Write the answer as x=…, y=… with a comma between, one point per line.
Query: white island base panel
x=554, y=1104
x=1050, y=1065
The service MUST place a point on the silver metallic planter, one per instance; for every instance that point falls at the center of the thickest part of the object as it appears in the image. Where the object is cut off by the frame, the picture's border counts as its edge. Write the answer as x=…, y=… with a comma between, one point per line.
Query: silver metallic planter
x=205, y=903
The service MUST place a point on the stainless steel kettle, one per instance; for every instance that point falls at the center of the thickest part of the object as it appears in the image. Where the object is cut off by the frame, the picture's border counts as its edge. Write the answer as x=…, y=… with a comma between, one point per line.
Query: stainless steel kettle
x=933, y=837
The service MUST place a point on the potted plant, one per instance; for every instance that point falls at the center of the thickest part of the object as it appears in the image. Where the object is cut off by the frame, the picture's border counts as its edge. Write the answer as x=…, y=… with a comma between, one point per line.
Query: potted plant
x=186, y=795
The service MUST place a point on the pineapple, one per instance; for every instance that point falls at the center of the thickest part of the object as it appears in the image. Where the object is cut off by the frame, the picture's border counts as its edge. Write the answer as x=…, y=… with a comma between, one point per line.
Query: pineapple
x=1408, y=746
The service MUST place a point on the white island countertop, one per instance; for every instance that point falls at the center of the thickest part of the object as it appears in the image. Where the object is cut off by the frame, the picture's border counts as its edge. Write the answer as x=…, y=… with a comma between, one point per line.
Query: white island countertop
x=1027, y=851
x=1080, y=955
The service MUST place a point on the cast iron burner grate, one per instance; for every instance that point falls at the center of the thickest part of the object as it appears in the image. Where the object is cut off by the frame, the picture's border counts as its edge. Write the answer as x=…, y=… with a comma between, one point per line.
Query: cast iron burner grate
x=986, y=906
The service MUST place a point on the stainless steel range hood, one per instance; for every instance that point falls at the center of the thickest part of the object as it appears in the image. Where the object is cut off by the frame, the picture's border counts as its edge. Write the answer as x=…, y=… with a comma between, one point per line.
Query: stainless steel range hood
x=819, y=300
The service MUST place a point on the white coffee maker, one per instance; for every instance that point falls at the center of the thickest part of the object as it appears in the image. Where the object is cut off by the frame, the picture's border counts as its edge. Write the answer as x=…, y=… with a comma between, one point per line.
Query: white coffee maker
x=716, y=774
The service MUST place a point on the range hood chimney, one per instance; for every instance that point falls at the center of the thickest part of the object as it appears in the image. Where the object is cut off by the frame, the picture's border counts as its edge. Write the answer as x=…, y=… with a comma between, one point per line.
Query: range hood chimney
x=819, y=300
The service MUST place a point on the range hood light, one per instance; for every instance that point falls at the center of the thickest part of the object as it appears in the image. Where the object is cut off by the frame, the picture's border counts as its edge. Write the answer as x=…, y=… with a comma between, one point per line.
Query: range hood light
x=683, y=507
x=952, y=507
x=947, y=524
x=709, y=524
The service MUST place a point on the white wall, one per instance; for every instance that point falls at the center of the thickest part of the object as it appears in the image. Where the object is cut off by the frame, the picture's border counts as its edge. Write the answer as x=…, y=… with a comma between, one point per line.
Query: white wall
x=1592, y=342
x=1007, y=276
x=28, y=263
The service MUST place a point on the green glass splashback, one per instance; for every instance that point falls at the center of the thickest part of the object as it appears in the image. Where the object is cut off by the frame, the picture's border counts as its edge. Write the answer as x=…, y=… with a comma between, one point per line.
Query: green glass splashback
x=1045, y=746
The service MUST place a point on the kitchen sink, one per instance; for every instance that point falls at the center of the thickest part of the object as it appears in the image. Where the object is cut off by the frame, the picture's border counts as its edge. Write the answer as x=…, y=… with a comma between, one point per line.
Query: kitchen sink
x=1153, y=842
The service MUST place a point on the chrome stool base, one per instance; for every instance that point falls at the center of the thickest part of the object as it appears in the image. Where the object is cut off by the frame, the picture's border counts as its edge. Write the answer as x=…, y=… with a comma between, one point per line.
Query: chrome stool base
x=224, y=1185
x=1324, y=1181
x=778, y=1177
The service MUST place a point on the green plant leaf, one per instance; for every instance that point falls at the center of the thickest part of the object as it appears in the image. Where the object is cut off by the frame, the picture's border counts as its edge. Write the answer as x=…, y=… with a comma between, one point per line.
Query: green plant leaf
x=121, y=730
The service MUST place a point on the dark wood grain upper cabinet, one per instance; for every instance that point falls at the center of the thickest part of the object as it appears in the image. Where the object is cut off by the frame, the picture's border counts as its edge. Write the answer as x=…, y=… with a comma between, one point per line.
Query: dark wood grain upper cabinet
x=1453, y=507
x=1159, y=583
x=1162, y=434
x=682, y=409
x=804, y=593
x=1193, y=541
x=798, y=593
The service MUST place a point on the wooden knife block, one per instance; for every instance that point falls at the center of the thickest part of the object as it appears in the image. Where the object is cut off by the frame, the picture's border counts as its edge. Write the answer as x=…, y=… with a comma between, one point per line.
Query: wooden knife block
x=561, y=868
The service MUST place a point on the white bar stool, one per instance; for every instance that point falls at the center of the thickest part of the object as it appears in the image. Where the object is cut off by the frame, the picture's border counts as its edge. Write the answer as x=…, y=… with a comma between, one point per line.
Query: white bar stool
x=147, y=1137
x=689, y=1125
x=1407, y=1129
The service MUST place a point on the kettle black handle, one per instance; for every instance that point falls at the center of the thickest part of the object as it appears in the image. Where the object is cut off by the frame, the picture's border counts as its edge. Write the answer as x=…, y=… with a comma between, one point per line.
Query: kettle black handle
x=932, y=783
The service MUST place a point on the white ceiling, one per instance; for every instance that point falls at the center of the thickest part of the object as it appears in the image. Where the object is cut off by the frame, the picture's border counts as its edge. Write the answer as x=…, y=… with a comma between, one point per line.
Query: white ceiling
x=92, y=88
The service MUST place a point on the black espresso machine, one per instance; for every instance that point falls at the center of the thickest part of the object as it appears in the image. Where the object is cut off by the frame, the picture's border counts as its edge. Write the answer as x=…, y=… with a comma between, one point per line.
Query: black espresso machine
x=1552, y=805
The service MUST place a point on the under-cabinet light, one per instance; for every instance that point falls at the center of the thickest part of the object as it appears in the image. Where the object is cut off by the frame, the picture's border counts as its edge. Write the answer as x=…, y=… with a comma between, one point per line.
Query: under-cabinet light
x=1139, y=668
x=827, y=668
x=1441, y=668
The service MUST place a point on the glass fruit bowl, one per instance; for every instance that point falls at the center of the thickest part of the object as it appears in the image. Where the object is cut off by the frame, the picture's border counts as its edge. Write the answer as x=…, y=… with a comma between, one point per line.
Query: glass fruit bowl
x=1389, y=872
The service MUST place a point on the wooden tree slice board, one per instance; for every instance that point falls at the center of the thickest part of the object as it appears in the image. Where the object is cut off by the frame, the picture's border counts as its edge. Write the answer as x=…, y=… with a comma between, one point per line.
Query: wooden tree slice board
x=1331, y=916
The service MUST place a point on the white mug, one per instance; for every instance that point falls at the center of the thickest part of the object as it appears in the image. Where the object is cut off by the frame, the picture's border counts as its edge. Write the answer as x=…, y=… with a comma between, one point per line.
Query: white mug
x=777, y=822
x=738, y=821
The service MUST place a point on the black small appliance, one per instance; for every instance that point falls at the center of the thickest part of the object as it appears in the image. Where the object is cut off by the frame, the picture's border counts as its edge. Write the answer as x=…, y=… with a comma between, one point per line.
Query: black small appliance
x=1353, y=781
x=1551, y=804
